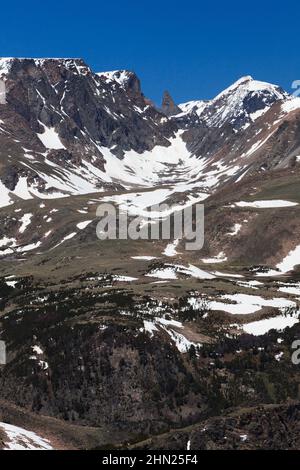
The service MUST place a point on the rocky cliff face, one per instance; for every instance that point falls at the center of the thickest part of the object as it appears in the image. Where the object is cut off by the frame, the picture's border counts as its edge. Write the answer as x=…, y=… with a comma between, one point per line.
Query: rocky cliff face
x=67, y=96
x=62, y=106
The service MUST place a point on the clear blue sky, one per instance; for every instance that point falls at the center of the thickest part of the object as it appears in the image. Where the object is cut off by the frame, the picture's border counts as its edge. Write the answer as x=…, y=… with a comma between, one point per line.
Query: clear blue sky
x=192, y=48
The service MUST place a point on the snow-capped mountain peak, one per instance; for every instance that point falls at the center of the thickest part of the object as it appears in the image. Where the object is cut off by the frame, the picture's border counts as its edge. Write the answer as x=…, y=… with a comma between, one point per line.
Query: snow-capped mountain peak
x=248, y=85
x=242, y=103
x=238, y=105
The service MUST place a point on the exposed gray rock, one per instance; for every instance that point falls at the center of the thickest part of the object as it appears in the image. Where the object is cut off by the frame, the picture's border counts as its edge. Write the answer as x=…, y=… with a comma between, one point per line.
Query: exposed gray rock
x=168, y=106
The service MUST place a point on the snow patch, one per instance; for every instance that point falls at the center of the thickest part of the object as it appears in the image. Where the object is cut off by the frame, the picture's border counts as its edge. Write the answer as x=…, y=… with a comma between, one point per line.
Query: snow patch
x=21, y=439
x=50, y=138
x=279, y=323
x=266, y=204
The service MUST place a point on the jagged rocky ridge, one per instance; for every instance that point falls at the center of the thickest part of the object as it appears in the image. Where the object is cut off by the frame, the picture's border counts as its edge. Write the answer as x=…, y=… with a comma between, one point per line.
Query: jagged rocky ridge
x=66, y=130
x=59, y=112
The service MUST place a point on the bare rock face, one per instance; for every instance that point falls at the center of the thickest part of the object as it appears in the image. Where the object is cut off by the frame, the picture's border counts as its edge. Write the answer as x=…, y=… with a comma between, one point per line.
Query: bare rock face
x=61, y=105
x=64, y=158
x=66, y=95
x=168, y=105
x=10, y=177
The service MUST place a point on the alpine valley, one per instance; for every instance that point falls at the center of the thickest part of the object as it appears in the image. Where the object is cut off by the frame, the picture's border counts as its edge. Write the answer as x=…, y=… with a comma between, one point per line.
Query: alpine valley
x=142, y=344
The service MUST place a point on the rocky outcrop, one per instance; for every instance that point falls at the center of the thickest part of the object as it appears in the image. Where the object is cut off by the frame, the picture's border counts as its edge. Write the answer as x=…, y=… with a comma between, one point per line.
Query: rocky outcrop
x=168, y=106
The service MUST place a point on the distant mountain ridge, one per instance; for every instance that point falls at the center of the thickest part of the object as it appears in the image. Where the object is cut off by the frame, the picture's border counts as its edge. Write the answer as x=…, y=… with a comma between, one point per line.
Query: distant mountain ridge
x=66, y=130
